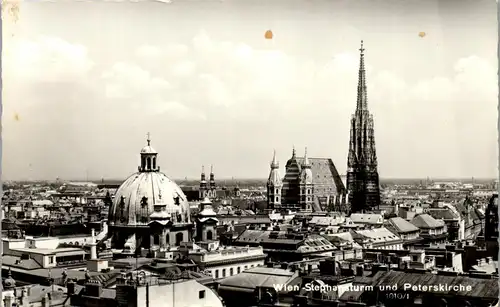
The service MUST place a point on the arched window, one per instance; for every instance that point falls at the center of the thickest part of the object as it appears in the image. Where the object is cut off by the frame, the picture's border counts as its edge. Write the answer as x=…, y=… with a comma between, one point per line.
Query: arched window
x=223, y=273
x=277, y=199
x=156, y=240
x=209, y=235
x=167, y=239
x=154, y=163
x=231, y=272
x=143, y=163
x=148, y=160
x=277, y=191
x=308, y=191
x=179, y=237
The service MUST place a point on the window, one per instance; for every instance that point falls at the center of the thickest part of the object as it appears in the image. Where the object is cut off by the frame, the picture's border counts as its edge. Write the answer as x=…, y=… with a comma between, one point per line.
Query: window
x=201, y=294
x=179, y=237
x=277, y=199
x=277, y=191
x=51, y=259
x=238, y=270
x=209, y=235
x=246, y=267
x=216, y=273
x=223, y=273
x=231, y=272
x=415, y=258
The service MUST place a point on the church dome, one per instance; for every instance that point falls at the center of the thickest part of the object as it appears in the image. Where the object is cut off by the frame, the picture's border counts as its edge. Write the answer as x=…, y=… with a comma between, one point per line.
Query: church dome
x=9, y=282
x=136, y=199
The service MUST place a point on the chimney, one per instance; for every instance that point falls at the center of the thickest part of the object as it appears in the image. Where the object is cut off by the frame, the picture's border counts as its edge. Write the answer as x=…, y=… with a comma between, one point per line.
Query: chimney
x=24, y=301
x=71, y=287
x=45, y=300
x=93, y=246
x=8, y=300
x=360, y=270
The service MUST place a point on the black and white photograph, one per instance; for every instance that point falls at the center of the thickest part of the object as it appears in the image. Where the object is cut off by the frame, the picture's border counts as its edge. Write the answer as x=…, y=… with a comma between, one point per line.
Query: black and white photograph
x=249, y=153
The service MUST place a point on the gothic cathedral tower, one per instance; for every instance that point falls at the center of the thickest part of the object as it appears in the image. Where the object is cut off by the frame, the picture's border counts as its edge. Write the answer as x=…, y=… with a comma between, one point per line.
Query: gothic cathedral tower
x=274, y=186
x=362, y=175
x=306, y=194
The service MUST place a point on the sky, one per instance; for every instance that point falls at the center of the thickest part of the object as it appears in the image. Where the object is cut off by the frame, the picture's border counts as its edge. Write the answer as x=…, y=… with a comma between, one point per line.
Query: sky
x=84, y=82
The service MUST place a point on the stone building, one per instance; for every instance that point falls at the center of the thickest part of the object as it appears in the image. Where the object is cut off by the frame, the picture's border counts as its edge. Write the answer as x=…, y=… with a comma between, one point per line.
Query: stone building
x=309, y=185
x=149, y=209
x=362, y=175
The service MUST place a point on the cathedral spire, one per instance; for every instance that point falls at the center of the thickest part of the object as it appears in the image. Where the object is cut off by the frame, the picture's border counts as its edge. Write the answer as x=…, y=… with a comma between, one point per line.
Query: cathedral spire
x=306, y=163
x=362, y=101
x=274, y=163
x=362, y=174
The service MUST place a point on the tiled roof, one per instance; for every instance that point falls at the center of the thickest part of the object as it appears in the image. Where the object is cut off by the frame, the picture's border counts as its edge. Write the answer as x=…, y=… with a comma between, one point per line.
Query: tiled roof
x=379, y=235
x=442, y=213
x=324, y=173
x=255, y=236
x=426, y=221
x=401, y=225
x=259, y=277
x=366, y=218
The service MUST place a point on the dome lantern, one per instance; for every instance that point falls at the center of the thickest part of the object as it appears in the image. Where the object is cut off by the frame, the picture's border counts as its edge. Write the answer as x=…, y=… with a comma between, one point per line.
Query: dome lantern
x=149, y=158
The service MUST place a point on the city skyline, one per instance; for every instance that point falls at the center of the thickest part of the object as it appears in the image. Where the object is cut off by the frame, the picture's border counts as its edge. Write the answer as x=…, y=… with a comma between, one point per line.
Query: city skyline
x=79, y=100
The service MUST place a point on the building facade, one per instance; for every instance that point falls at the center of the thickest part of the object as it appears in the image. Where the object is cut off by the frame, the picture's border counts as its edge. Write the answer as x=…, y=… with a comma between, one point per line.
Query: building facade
x=309, y=185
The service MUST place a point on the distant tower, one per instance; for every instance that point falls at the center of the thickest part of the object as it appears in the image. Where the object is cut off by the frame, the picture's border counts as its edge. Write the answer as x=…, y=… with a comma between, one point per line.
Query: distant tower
x=203, y=184
x=274, y=185
x=306, y=185
x=213, y=187
x=362, y=175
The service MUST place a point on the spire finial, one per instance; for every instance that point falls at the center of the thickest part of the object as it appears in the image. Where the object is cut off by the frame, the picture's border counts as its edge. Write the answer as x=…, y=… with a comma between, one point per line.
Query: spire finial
x=293, y=151
x=148, y=139
x=211, y=169
x=362, y=50
x=274, y=163
x=306, y=159
x=203, y=169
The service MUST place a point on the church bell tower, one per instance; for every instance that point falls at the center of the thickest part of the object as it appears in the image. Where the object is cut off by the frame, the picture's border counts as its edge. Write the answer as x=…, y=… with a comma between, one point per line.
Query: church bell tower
x=274, y=185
